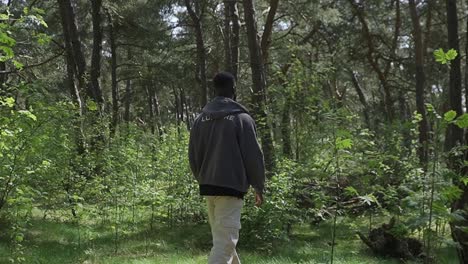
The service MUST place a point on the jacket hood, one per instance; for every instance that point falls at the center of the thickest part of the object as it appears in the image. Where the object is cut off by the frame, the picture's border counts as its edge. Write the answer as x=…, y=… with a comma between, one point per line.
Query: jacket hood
x=223, y=106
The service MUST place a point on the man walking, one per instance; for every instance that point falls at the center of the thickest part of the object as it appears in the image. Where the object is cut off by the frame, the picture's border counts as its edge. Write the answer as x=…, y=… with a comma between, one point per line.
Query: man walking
x=226, y=159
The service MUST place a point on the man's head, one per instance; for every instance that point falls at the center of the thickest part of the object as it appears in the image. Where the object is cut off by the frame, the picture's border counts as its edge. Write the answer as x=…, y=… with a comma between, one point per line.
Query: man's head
x=225, y=84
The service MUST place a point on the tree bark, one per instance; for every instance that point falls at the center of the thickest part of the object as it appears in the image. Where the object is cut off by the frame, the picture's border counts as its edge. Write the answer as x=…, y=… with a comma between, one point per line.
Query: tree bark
x=93, y=86
x=227, y=37
x=73, y=78
x=259, y=83
x=128, y=93
x=362, y=98
x=151, y=107
x=454, y=136
x=268, y=29
x=235, y=37
x=68, y=14
x=114, y=84
x=196, y=14
x=3, y=76
x=420, y=83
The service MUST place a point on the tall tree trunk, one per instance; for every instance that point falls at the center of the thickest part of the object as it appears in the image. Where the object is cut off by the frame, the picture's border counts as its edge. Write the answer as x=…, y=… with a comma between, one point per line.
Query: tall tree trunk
x=78, y=55
x=93, y=86
x=286, y=128
x=235, y=37
x=227, y=37
x=3, y=76
x=196, y=14
x=128, y=93
x=114, y=83
x=259, y=83
x=466, y=75
x=73, y=79
x=286, y=113
x=267, y=31
x=454, y=134
x=420, y=83
x=362, y=98
x=76, y=84
x=151, y=108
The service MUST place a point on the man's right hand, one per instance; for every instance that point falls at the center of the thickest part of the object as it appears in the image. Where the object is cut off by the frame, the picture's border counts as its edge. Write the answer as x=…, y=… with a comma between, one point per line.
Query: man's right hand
x=258, y=199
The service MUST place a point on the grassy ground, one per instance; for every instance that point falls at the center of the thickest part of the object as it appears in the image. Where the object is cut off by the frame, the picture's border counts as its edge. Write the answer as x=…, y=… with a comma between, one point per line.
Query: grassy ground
x=55, y=242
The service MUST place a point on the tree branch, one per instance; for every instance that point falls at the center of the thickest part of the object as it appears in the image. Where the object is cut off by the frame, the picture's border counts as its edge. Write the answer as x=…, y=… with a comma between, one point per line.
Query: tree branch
x=33, y=65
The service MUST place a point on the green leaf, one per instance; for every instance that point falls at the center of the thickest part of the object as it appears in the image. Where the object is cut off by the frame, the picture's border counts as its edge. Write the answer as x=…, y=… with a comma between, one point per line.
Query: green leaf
x=18, y=65
x=439, y=56
x=28, y=114
x=462, y=121
x=92, y=106
x=464, y=180
x=38, y=11
x=368, y=199
x=351, y=191
x=451, y=54
x=19, y=238
x=430, y=108
x=450, y=115
x=7, y=40
x=4, y=17
x=9, y=102
x=346, y=143
x=452, y=193
x=43, y=39
x=8, y=53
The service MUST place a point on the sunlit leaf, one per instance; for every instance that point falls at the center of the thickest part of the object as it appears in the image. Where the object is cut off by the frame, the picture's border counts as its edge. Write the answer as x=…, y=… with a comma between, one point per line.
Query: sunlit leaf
x=450, y=115
x=462, y=121
x=439, y=55
x=451, y=54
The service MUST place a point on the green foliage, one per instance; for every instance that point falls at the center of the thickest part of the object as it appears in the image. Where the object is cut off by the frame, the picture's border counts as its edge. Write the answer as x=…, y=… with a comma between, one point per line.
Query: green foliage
x=269, y=225
x=445, y=57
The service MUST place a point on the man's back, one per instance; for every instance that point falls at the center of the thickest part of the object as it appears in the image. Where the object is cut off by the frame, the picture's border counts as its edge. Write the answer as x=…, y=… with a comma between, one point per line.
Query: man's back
x=223, y=148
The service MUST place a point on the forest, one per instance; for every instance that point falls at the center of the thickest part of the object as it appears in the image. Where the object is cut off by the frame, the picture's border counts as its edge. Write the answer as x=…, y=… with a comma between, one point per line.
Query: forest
x=360, y=106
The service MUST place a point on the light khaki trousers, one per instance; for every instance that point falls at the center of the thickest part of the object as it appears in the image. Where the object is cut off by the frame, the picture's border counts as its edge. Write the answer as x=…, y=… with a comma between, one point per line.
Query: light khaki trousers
x=224, y=214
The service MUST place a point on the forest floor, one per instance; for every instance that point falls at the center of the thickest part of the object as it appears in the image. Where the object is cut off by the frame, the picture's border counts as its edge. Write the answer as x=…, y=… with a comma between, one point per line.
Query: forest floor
x=60, y=242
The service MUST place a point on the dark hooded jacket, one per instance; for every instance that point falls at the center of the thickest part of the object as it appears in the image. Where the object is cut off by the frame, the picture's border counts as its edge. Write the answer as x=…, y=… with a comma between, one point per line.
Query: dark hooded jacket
x=224, y=152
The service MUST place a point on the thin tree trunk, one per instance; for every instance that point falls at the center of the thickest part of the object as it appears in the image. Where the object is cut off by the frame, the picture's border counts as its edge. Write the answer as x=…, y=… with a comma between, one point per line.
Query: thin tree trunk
x=466, y=76
x=75, y=83
x=3, y=76
x=362, y=98
x=454, y=134
x=266, y=37
x=227, y=37
x=286, y=128
x=420, y=83
x=94, y=87
x=259, y=83
x=72, y=79
x=235, y=37
x=114, y=84
x=286, y=114
x=128, y=93
x=151, y=107
x=157, y=108
x=78, y=55
x=197, y=15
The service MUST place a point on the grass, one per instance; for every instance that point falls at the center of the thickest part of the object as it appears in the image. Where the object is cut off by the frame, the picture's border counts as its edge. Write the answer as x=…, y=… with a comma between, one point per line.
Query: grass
x=59, y=242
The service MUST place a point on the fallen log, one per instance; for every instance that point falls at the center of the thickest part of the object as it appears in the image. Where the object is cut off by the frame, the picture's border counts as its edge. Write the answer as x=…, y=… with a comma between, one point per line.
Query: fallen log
x=384, y=243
